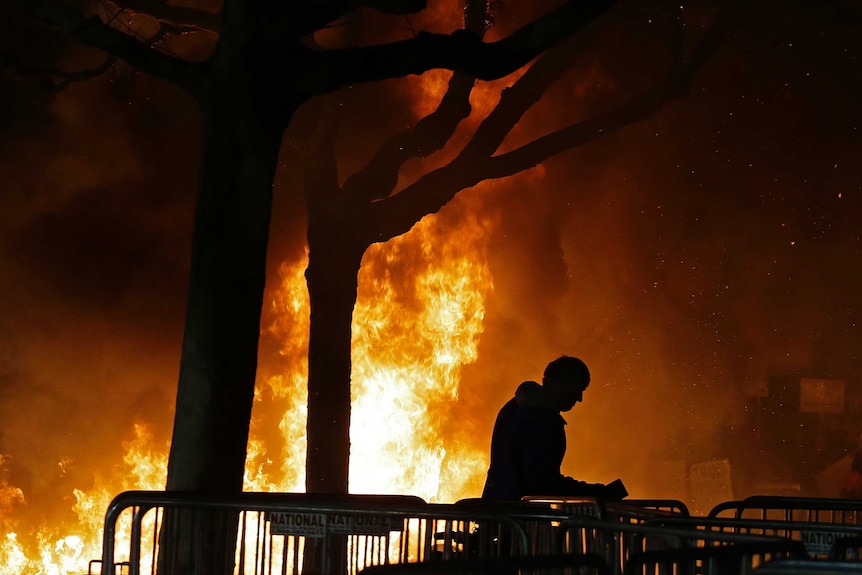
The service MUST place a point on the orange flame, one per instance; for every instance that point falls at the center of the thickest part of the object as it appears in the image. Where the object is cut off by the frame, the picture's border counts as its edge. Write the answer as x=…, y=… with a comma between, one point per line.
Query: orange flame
x=413, y=331
x=411, y=335
x=58, y=549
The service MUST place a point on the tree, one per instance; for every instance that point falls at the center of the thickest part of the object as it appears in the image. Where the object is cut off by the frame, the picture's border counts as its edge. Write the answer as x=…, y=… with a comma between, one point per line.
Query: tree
x=262, y=68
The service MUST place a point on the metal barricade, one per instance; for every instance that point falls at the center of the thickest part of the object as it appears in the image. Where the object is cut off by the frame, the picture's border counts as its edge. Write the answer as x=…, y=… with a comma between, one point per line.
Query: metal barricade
x=592, y=527
x=737, y=558
x=638, y=512
x=812, y=509
x=641, y=545
x=584, y=540
x=807, y=567
x=294, y=533
x=693, y=553
x=817, y=538
x=275, y=532
x=540, y=519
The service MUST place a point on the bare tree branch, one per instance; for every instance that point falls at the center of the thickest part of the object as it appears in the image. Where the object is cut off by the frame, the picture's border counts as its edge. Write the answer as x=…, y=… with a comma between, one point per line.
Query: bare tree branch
x=319, y=162
x=397, y=214
x=93, y=32
x=676, y=86
x=179, y=16
x=321, y=13
x=54, y=79
x=461, y=51
x=379, y=176
x=67, y=78
x=517, y=99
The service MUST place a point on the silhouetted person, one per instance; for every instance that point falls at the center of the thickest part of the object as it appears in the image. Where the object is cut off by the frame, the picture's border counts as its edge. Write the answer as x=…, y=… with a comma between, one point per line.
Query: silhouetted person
x=529, y=438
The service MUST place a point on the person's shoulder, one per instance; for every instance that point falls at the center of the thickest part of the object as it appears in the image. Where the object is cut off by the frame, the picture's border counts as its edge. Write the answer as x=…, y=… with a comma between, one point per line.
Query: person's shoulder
x=511, y=405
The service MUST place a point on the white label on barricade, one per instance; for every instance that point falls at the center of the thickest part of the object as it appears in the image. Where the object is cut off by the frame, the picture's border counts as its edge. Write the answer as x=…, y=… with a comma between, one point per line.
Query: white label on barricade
x=295, y=523
x=318, y=524
x=819, y=542
x=360, y=525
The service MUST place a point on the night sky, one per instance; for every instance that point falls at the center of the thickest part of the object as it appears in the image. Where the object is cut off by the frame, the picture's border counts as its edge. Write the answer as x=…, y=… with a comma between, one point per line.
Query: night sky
x=687, y=258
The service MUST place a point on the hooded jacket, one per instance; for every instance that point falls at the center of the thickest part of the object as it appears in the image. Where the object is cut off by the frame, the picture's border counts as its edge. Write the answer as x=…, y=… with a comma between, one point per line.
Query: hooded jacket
x=527, y=449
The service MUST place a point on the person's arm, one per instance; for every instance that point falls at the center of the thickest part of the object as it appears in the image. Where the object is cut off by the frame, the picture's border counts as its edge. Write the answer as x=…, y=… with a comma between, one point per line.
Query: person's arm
x=613, y=491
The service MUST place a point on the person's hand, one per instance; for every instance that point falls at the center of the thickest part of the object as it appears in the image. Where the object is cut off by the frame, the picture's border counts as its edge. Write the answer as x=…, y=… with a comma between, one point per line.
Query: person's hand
x=615, y=490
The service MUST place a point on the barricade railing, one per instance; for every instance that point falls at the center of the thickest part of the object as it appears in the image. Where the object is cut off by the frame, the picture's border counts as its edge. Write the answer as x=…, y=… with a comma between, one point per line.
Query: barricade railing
x=818, y=538
x=540, y=521
x=593, y=527
x=738, y=558
x=847, y=549
x=640, y=510
x=807, y=567
x=585, y=506
x=637, y=512
x=584, y=540
x=611, y=544
x=620, y=542
x=657, y=550
x=813, y=509
x=275, y=531
x=531, y=565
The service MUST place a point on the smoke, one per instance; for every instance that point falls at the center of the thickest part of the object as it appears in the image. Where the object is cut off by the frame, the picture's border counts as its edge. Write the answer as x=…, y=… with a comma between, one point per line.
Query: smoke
x=95, y=240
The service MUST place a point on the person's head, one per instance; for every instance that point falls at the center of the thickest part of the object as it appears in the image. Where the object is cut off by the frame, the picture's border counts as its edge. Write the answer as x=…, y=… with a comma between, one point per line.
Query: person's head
x=566, y=378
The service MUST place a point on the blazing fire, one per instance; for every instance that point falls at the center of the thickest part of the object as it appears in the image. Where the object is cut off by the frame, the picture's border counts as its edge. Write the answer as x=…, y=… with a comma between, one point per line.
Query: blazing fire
x=413, y=331
x=58, y=546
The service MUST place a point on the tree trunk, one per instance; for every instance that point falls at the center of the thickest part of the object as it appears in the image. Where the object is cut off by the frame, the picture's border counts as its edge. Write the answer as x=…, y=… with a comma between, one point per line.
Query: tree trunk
x=332, y=277
x=240, y=150
x=228, y=270
x=332, y=272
